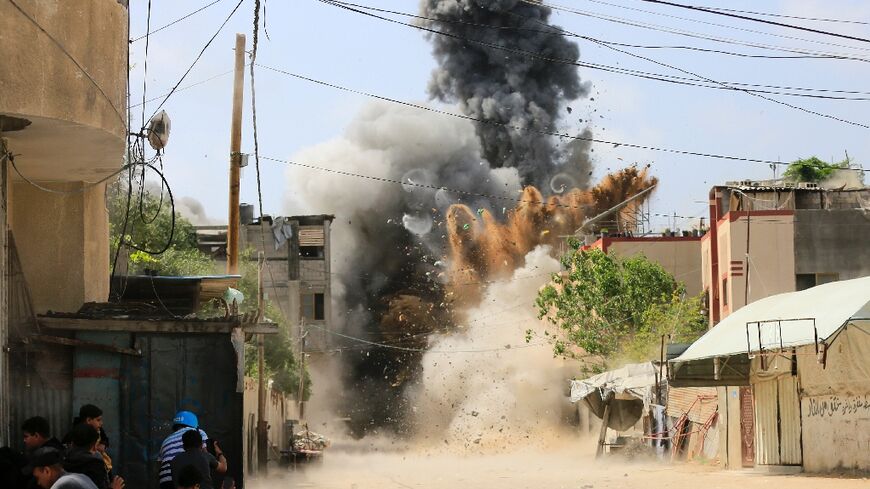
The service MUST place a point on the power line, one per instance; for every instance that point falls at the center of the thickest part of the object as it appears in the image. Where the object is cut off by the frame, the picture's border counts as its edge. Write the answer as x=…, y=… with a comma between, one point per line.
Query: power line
x=74, y=61
x=192, y=85
x=424, y=350
x=749, y=92
x=680, y=32
x=594, y=66
x=148, y=32
x=556, y=31
x=770, y=14
x=518, y=128
x=762, y=21
x=198, y=56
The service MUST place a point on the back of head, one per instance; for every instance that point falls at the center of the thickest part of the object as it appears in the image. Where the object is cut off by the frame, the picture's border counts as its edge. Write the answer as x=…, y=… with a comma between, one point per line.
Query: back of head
x=89, y=411
x=84, y=436
x=36, y=425
x=191, y=440
x=189, y=476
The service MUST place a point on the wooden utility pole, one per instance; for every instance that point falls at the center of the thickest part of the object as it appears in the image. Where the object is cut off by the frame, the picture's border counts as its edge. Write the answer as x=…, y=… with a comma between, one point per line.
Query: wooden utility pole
x=262, y=424
x=302, y=335
x=236, y=159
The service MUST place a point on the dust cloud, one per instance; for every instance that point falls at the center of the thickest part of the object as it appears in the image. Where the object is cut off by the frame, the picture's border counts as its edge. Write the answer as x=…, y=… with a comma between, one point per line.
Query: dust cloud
x=482, y=388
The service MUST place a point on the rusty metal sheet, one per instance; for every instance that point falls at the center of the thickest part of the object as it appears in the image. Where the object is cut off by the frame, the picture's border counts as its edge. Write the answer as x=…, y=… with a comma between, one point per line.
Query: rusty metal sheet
x=747, y=428
x=699, y=403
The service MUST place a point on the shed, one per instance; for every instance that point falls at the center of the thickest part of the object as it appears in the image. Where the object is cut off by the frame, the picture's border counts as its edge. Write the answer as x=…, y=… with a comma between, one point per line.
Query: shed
x=803, y=359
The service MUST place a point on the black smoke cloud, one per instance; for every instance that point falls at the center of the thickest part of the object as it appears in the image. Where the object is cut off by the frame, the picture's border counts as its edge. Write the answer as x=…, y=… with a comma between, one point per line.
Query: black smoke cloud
x=509, y=88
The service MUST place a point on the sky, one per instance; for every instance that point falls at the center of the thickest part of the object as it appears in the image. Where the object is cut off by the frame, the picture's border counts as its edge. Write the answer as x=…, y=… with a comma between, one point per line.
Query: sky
x=341, y=47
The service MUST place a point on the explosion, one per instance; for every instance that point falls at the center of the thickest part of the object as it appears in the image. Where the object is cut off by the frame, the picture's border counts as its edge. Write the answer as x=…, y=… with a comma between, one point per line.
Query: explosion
x=476, y=198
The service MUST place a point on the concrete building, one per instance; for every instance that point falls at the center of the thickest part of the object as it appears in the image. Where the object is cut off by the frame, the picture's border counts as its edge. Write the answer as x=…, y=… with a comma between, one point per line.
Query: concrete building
x=297, y=274
x=679, y=255
x=773, y=238
x=769, y=238
x=62, y=114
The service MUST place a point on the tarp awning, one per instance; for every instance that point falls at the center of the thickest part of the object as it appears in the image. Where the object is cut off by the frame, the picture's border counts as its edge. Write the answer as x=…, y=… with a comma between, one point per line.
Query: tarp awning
x=632, y=388
x=787, y=320
x=633, y=381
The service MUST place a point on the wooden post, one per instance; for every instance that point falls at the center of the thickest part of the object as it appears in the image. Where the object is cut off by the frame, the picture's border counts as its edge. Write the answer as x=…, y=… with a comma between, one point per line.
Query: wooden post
x=605, y=418
x=262, y=425
x=236, y=159
x=302, y=368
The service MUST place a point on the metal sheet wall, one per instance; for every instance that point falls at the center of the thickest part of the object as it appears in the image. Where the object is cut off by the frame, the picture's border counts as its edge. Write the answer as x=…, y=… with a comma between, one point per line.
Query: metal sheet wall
x=766, y=423
x=191, y=372
x=4, y=307
x=698, y=402
x=789, y=421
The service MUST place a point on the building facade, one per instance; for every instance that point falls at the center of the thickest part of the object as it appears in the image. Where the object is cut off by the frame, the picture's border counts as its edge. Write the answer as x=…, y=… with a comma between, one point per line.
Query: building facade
x=63, y=117
x=767, y=239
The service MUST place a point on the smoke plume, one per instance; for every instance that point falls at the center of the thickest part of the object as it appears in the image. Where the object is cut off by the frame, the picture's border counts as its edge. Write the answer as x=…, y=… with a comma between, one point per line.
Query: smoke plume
x=508, y=89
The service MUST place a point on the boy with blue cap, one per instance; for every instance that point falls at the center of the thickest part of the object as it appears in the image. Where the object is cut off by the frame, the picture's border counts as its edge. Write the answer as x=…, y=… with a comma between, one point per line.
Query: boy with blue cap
x=173, y=445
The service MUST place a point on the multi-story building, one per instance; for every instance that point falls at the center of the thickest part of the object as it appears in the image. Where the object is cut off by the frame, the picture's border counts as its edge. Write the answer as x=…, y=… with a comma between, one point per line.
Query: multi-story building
x=297, y=272
x=768, y=238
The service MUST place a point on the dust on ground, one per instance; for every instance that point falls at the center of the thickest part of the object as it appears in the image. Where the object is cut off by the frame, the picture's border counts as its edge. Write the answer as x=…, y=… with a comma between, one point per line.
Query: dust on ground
x=565, y=468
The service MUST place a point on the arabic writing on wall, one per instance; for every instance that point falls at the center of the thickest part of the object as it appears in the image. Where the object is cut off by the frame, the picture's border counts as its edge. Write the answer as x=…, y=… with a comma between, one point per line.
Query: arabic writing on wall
x=830, y=406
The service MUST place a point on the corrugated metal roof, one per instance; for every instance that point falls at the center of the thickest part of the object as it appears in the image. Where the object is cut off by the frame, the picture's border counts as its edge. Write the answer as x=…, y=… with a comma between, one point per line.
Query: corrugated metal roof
x=828, y=306
x=699, y=403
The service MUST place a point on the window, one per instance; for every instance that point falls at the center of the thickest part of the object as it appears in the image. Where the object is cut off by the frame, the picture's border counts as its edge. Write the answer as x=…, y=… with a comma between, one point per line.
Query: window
x=804, y=281
x=312, y=252
x=725, y=291
x=313, y=307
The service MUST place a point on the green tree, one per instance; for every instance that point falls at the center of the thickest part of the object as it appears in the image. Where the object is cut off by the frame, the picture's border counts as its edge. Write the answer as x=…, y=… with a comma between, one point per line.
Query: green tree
x=616, y=307
x=812, y=169
x=149, y=227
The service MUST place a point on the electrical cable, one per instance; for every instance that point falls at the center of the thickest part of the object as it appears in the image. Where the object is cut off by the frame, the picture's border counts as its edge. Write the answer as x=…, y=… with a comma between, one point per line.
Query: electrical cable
x=769, y=14
x=149, y=32
x=556, y=31
x=714, y=24
x=198, y=56
x=186, y=87
x=517, y=128
x=423, y=350
x=680, y=32
x=749, y=92
x=762, y=21
x=615, y=69
x=74, y=61
x=345, y=6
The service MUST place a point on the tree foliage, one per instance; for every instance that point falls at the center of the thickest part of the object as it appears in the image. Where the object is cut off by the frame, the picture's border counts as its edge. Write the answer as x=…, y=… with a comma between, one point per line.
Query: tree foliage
x=149, y=226
x=617, y=307
x=812, y=169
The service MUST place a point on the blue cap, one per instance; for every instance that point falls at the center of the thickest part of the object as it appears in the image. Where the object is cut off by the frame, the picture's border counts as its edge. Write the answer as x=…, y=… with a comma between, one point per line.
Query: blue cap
x=186, y=418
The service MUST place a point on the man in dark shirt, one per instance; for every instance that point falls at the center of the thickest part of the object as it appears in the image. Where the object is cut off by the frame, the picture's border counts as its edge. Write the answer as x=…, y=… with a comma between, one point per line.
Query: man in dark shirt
x=84, y=458
x=37, y=434
x=195, y=456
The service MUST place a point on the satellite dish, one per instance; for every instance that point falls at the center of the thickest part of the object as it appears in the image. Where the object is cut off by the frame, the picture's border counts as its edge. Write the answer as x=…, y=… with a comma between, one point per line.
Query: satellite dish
x=158, y=130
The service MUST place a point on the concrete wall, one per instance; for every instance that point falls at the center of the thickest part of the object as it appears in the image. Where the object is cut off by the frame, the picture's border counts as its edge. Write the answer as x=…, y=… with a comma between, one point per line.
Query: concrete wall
x=75, y=133
x=832, y=241
x=835, y=403
x=771, y=249
x=279, y=409
x=679, y=256
x=63, y=244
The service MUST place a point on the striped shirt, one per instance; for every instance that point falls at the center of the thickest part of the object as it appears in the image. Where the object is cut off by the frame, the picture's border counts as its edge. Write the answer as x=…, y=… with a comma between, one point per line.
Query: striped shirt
x=171, y=447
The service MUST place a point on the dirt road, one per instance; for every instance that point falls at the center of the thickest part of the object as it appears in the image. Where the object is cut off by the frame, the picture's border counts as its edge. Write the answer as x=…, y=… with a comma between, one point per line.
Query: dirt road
x=562, y=469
